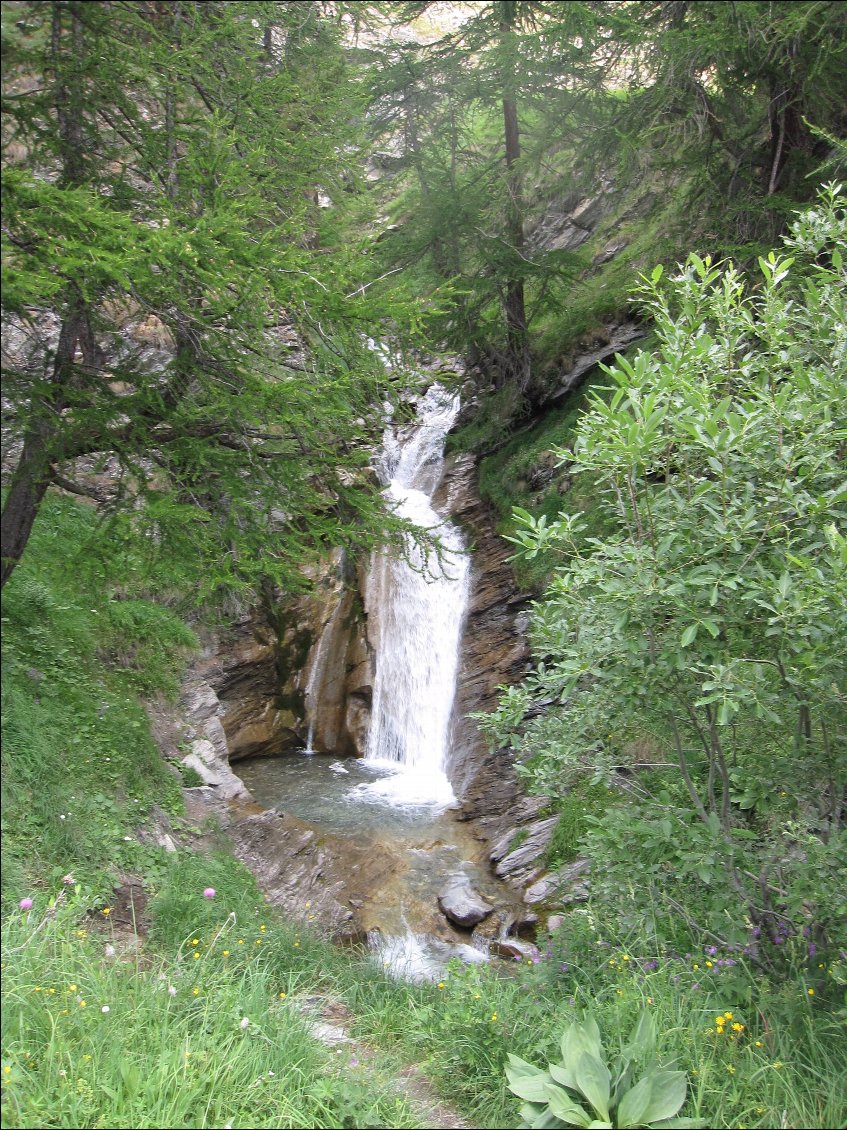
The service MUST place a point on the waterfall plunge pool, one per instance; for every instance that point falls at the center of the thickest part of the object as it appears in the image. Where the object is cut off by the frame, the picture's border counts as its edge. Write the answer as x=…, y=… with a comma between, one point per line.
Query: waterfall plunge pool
x=404, y=924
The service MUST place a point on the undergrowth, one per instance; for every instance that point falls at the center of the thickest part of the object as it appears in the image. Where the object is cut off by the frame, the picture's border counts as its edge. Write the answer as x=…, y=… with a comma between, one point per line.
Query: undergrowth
x=196, y=1014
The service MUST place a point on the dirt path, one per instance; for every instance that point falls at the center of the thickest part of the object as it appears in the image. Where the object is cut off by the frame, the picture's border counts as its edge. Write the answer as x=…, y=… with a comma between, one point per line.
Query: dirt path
x=330, y=1022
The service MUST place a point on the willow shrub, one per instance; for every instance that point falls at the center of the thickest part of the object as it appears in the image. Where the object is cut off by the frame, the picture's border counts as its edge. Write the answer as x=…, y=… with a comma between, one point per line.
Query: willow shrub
x=707, y=636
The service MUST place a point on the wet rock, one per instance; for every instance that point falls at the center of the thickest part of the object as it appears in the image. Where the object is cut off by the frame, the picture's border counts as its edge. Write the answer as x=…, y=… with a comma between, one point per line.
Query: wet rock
x=461, y=904
x=567, y=885
x=213, y=771
x=209, y=753
x=516, y=949
x=616, y=338
x=521, y=864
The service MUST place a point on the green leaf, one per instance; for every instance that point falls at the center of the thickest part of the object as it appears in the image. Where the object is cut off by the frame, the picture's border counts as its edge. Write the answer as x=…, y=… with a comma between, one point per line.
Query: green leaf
x=635, y=1102
x=565, y=1108
x=679, y=1124
x=643, y=1037
x=562, y=1074
x=668, y=1089
x=581, y=1036
x=595, y=1082
x=526, y=1081
x=689, y=635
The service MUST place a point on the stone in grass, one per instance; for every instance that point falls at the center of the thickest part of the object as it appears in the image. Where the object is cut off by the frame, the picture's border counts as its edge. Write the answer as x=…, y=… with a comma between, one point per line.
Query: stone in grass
x=462, y=904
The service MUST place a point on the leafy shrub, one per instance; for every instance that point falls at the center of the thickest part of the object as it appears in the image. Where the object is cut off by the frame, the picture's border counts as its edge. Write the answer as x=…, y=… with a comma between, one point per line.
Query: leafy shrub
x=558, y=1095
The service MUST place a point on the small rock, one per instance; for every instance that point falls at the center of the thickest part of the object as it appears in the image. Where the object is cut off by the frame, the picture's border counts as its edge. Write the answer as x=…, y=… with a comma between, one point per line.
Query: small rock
x=462, y=904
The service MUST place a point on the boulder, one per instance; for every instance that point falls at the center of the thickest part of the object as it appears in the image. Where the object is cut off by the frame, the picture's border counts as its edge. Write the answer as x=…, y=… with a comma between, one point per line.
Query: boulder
x=462, y=904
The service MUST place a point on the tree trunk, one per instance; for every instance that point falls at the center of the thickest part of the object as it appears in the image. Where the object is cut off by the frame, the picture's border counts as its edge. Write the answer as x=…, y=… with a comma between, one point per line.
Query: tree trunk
x=29, y=484
x=514, y=306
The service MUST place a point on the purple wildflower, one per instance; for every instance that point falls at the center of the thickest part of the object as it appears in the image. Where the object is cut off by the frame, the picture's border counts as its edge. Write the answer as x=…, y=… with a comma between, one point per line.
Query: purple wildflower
x=209, y=893
x=25, y=904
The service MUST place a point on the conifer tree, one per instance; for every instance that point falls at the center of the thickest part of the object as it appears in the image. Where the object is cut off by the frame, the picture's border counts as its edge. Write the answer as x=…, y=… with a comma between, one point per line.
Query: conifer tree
x=162, y=162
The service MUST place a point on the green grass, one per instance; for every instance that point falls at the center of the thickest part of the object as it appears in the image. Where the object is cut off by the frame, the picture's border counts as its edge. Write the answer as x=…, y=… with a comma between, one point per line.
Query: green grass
x=208, y=1036
x=80, y=769
x=526, y=473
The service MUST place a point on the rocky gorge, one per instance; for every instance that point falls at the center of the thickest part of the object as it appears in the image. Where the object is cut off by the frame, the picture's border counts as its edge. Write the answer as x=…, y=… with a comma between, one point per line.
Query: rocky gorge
x=298, y=675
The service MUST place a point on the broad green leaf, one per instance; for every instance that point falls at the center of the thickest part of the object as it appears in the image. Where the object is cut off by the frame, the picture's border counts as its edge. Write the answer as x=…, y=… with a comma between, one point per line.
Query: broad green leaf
x=594, y=1081
x=562, y=1074
x=643, y=1036
x=667, y=1095
x=526, y=1081
x=565, y=1108
x=679, y=1124
x=581, y=1036
x=635, y=1102
x=689, y=635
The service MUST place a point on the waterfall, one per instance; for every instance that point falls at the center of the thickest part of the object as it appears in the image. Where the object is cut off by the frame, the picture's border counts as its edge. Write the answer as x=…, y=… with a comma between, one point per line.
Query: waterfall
x=416, y=603
x=318, y=674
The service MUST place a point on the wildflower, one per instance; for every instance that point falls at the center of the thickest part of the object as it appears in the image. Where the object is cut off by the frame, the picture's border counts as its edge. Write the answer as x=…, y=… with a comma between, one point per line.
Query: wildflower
x=71, y=988
x=106, y=911
x=109, y=951
x=730, y=1068
x=493, y=1016
x=737, y=1027
x=440, y=984
x=209, y=893
x=813, y=949
x=226, y=953
x=709, y=964
x=728, y=1015
x=195, y=941
x=171, y=990
x=82, y=1004
x=196, y=991
x=649, y=1000
x=196, y=956
x=262, y=929
x=711, y=950
x=105, y=1008
x=282, y=996
x=241, y=941
x=811, y=992
x=25, y=904
x=759, y=1044
x=68, y=880
x=626, y=957
x=245, y=1024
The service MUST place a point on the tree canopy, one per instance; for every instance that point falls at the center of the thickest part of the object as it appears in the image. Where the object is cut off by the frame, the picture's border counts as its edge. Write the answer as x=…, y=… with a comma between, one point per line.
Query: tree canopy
x=170, y=300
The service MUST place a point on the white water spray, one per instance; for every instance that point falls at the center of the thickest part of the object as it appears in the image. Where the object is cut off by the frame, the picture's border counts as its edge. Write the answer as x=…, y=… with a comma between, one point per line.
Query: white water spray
x=416, y=604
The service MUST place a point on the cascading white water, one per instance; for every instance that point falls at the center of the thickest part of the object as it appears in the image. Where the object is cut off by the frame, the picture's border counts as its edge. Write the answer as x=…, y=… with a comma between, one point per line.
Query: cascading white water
x=416, y=603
